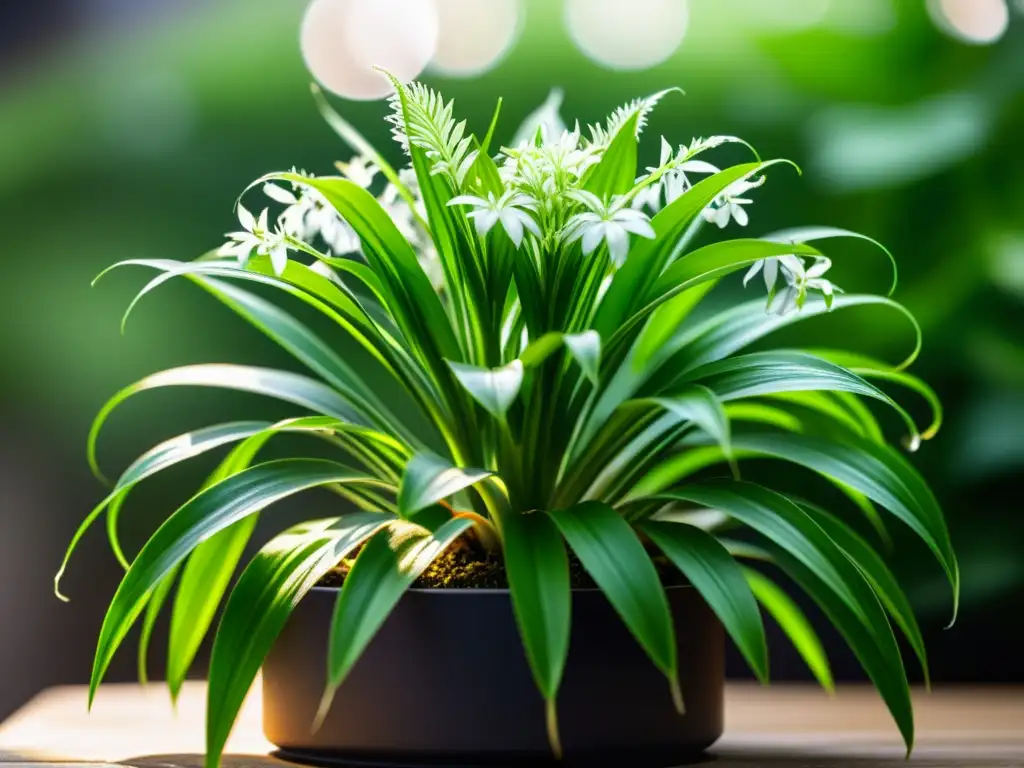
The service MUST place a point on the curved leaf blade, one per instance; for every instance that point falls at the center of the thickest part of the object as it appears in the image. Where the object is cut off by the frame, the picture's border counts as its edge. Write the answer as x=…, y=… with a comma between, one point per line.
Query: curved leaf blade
x=283, y=385
x=612, y=554
x=428, y=479
x=210, y=511
x=267, y=592
x=719, y=579
x=876, y=471
x=538, y=578
x=879, y=576
x=793, y=622
x=386, y=567
x=807, y=553
x=495, y=389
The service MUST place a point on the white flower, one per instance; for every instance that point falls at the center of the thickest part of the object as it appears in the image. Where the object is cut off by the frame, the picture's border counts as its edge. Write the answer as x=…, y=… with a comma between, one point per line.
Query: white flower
x=359, y=170
x=673, y=179
x=507, y=209
x=611, y=224
x=255, y=236
x=771, y=273
x=799, y=281
x=730, y=205
x=308, y=214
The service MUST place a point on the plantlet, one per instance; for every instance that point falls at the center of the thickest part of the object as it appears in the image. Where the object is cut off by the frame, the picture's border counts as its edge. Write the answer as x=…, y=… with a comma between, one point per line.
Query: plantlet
x=533, y=306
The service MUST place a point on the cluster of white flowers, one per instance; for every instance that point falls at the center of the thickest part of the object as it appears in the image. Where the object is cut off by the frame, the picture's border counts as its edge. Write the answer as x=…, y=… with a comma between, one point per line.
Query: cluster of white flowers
x=545, y=201
x=798, y=278
x=308, y=215
x=256, y=236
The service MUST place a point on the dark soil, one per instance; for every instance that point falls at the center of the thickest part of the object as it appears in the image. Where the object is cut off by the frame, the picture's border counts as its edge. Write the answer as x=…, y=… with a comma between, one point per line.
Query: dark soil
x=466, y=565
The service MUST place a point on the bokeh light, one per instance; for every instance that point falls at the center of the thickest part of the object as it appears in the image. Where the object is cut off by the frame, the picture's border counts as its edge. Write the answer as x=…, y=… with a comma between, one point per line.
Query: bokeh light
x=631, y=35
x=474, y=35
x=979, y=22
x=343, y=40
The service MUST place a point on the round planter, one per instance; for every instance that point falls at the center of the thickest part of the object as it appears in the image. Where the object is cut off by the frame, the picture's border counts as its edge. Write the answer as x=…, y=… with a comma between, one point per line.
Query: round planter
x=446, y=682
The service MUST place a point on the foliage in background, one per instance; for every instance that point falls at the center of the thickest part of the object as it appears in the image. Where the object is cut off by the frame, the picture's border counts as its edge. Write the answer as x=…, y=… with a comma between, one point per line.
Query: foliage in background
x=535, y=306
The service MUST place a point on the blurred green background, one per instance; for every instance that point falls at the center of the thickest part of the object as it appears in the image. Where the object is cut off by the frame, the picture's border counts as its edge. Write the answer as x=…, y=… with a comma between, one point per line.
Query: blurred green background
x=128, y=128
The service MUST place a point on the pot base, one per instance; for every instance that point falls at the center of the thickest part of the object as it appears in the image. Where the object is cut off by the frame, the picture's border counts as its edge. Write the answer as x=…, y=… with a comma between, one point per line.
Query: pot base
x=446, y=682
x=632, y=759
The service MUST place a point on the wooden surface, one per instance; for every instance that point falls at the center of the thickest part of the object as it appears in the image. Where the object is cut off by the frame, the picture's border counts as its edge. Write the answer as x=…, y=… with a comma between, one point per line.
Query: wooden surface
x=777, y=726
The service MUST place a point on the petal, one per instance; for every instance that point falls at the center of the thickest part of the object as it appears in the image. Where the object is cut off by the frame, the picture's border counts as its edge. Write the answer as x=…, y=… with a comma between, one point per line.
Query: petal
x=771, y=273
x=819, y=268
x=640, y=227
x=279, y=194
x=513, y=227
x=722, y=216
x=261, y=225
x=592, y=237
x=666, y=151
x=698, y=166
x=485, y=219
x=245, y=218
x=739, y=214
x=469, y=200
x=279, y=258
x=528, y=222
x=618, y=243
x=752, y=272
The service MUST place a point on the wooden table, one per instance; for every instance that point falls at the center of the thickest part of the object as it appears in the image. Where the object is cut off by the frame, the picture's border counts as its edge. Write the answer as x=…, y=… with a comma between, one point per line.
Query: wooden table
x=779, y=726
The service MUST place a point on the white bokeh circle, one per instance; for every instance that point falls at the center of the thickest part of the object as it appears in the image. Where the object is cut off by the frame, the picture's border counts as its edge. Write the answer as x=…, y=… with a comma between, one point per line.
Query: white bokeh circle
x=474, y=35
x=979, y=22
x=343, y=40
x=627, y=35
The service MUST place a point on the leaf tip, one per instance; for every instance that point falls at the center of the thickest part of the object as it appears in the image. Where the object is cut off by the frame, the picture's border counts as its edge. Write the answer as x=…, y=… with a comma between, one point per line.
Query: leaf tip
x=554, y=739
x=677, y=694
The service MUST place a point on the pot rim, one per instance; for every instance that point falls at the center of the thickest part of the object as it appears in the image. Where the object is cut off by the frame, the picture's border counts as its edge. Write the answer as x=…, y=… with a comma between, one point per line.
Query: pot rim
x=486, y=591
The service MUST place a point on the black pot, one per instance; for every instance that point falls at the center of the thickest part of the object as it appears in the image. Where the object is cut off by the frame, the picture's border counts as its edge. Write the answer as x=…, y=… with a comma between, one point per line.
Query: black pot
x=446, y=682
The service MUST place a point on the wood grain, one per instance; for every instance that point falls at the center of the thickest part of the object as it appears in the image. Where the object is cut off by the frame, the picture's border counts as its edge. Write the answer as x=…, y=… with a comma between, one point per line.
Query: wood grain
x=794, y=726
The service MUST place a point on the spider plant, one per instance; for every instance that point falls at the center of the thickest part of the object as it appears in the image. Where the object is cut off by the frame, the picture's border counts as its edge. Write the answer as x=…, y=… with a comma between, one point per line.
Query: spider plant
x=533, y=304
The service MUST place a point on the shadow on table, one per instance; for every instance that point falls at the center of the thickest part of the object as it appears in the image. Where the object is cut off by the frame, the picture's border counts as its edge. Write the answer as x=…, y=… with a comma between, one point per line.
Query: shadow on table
x=775, y=760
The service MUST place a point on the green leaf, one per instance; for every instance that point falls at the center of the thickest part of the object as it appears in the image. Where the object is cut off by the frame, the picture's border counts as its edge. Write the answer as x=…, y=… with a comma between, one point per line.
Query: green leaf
x=611, y=553
x=793, y=622
x=493, y=388
x=879, y=576
x=584, y=347
x=807, y=553
x=876, y=471
x=889, y=679
x=715, y=574
x=212, y=510
x=209, y=568
x=870, y=368
x=428, y=479
x=283, y=385
x=267, y=592
x=649, y=258
x=384, y=569
x=768, y=373
x=812, y=234
x=538, y=577
x=156, y=459
x=154, y=605
x=411, y=298
x=727, y=332
x=204, y=581
x=702, y=406
x=312, y=351
x=616, y=170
